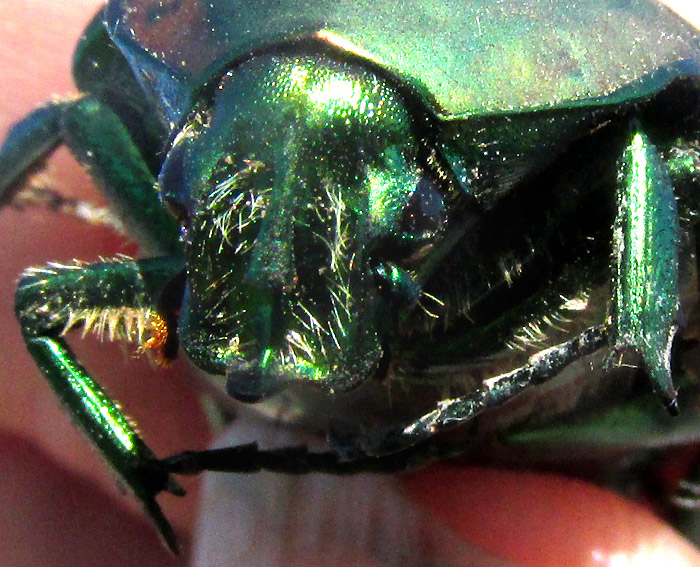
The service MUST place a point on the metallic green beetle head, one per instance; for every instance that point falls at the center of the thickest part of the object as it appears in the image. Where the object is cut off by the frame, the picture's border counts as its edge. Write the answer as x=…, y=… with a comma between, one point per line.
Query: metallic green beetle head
x=310, y=213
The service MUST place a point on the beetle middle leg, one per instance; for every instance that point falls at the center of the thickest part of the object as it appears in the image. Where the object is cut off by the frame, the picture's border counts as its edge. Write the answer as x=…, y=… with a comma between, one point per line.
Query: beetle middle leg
x=97, y=137
x=112, y=132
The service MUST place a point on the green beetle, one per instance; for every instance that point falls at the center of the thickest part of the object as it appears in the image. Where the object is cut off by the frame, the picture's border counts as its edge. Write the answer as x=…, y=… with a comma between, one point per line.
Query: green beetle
x=387, y=232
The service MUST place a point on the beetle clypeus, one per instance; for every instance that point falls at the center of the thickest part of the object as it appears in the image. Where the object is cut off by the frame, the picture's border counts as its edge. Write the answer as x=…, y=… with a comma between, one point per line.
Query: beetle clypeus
x=365, y=229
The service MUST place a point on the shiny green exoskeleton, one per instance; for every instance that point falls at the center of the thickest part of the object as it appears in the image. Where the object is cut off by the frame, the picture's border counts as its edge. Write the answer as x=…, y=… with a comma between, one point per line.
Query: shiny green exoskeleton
x=394, y=217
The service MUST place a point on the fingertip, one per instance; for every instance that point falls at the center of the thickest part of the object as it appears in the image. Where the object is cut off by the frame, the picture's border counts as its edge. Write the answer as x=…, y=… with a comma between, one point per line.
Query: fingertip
x=546, y=520
x=52, y=516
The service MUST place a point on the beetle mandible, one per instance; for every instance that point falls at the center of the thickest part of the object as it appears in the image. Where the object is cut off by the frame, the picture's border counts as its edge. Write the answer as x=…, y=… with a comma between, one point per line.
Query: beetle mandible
x=365, y=228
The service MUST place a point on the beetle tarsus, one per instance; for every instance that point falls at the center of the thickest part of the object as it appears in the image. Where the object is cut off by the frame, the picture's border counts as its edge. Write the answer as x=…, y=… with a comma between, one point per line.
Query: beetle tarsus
x=250, y=458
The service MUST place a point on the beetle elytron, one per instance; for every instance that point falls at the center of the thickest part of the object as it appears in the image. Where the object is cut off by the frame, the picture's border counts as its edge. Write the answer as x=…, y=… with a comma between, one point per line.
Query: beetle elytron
x=393, y=217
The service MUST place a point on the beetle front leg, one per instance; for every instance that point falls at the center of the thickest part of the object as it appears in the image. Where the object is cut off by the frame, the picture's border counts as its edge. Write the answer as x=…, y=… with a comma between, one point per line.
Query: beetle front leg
x=297, y=460
x=121, y=298
x=645, y=307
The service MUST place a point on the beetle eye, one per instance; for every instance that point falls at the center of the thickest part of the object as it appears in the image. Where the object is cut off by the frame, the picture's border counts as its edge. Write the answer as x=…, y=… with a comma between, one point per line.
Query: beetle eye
x=425, y=213
x=422, y=218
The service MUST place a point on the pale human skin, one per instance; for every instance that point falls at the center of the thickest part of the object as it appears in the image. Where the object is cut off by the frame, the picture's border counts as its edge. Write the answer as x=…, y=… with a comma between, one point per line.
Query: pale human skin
x=60, y=506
